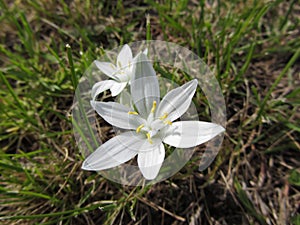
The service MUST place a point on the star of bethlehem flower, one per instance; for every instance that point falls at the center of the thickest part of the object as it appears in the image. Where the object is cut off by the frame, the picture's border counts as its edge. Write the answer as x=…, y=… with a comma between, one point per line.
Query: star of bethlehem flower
x=120, y=73
x=149, y=124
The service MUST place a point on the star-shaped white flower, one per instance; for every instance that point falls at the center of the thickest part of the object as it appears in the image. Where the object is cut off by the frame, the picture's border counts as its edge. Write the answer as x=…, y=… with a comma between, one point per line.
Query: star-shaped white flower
x=120, y=73
x=150, y=125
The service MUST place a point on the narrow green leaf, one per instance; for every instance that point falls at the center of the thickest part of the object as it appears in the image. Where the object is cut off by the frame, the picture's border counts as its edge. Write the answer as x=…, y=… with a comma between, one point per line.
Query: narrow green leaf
x=247, y=203
x=294, y=178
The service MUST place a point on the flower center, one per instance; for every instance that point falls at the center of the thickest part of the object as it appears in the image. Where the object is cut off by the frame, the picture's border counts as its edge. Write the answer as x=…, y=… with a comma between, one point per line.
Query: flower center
x=122, y=71
x=154, y=124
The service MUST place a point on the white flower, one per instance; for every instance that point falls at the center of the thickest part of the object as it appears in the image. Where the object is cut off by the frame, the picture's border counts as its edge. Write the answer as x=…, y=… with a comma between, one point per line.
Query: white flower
x=120, y=73
x=150, y=125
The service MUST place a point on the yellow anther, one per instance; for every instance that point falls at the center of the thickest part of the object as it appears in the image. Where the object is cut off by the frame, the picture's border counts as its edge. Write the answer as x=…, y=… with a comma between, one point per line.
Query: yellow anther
x=168, y=122
x=164, y=116
x=149, y=138
x=132, y=113
x=112, y=66
x=153, y=107
x=139, y=128
x=119, y=64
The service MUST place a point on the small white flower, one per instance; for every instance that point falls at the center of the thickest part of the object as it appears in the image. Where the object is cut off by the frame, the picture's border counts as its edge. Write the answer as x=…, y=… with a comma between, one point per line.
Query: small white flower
x=150, y=125
x=120, y=73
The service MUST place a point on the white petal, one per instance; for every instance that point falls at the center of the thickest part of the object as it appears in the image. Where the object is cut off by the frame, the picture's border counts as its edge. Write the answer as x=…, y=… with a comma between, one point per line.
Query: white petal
x=177, y=101
x=107, y=68
x=117, y=88
x=117, y=115
x=186, y=134
x=112, y=153
x=125, y=99
x=145, y=51
x=125, y=57
x=101, y=86
x=144, y=85
x=150, y=162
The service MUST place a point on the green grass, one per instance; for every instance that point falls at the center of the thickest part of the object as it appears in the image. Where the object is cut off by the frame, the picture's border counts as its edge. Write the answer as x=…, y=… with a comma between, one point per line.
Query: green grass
x=252, y=47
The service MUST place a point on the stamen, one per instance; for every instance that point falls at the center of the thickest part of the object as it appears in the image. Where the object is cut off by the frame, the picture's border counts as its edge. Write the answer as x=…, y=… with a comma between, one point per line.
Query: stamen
x=132, y=113
x=153, y=107
x=139, y=128
x=149, y=138
x=168, y=122
x=164, y=116
x=112, y=66
x=119, y=64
